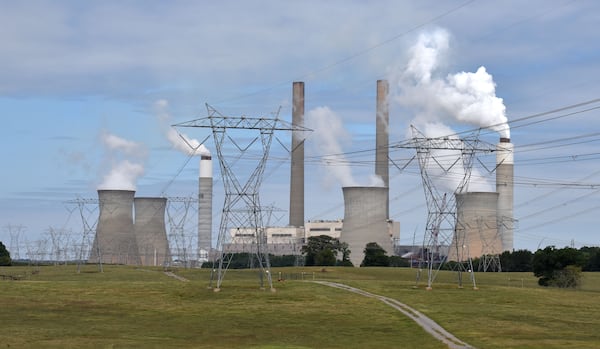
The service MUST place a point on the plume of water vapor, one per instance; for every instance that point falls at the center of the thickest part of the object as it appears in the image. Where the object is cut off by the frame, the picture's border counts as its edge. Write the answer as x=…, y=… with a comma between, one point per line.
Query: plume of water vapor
x=179, y=141
x=328, y=133
x=125, y=162
x=328, y=130
x=464, y=97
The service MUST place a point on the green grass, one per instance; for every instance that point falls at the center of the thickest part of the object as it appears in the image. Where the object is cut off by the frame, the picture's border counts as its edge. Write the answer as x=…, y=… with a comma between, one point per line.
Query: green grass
x=126, y=307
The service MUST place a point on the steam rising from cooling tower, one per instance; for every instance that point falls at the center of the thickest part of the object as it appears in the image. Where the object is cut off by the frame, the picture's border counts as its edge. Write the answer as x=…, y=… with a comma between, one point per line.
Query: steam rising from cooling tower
x=125, y=161
x=328, y=132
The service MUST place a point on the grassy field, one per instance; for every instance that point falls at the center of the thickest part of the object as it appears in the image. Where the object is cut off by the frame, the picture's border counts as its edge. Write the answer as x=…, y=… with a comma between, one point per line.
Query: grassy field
x=127, y=307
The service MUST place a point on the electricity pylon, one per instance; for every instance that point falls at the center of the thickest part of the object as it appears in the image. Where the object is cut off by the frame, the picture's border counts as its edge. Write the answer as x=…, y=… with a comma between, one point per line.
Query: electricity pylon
x=445, y=164
x=238, y=144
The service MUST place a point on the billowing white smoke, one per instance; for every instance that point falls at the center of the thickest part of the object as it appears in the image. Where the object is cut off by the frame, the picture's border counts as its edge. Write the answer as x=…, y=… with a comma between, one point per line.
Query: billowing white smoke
x=179, y=141
x=464, y=97
x=125, y=159
x=328, y=132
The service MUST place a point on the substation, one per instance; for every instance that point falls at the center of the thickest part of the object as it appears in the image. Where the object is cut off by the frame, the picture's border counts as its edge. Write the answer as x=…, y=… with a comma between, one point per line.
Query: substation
x=461, y=225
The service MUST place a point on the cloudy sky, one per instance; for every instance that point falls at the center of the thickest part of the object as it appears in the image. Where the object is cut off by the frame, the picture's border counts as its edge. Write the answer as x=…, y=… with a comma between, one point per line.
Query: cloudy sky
x=89, y=87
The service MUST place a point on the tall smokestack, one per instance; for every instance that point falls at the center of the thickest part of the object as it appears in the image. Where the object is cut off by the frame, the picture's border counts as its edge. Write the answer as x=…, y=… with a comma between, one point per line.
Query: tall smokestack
x=505, y=189
x=364, y=221
x=150, y=231
x=115, y=239
x=297, y=166
x=382, y=138
x=205, y=192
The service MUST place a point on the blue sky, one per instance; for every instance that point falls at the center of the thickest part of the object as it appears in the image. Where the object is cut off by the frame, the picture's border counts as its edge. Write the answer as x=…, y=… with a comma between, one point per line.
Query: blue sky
x=74, y=71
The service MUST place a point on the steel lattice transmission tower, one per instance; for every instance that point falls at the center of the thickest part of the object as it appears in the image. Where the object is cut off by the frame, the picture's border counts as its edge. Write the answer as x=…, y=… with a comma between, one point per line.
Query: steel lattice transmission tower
x=87, y=208
x=180, y=239
x=241, y=208
x=445, y=164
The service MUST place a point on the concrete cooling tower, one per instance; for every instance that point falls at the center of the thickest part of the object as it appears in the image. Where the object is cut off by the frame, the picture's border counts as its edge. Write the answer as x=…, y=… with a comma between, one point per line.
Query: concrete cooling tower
x=476, y=226
x=365, y=220
x=115, y=241
x=150, y=232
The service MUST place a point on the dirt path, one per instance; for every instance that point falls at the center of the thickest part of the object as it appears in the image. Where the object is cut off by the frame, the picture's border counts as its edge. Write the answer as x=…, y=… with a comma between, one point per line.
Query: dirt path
x=180, y=278
x=426, y=323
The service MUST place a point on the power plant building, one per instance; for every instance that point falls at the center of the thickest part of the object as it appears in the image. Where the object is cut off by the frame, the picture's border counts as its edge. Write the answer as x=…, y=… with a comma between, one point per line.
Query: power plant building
x=280, y=240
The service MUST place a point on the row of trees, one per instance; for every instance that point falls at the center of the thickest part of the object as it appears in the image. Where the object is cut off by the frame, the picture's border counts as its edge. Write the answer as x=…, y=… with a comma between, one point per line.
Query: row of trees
x=323, y=250
x=553, y=267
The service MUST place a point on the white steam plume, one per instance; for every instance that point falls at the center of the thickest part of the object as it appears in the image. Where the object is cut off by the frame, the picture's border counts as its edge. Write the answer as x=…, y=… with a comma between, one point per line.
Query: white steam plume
x=125, y=160
x=464, y=97
x=328, y=131
x=179, y=141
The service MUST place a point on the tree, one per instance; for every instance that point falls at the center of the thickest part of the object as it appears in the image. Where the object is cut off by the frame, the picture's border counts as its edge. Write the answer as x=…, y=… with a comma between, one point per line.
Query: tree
x=4, y=255
x=592, y=255
x=520, y=260
x=375, y=256
x=558, y=267
x=323, y=250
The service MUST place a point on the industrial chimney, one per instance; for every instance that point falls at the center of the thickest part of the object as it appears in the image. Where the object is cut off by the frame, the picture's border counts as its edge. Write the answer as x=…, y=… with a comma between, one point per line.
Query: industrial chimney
x=365, y=220
x=115, y=239
x=382, y=138
x=505, y=189
x=205, y=192
x=150, y=231
x=297, y=166
x=476, y=231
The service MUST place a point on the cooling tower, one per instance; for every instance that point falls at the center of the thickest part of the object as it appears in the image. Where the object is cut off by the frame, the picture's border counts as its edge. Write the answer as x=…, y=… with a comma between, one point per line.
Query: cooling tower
x=365, y=220
x=297, y=166
x=382, y=138
x=505, y=189
x=476, y=226
x=115, y=239
x=150, y=232
x=205, y=192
